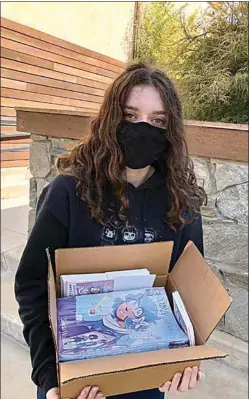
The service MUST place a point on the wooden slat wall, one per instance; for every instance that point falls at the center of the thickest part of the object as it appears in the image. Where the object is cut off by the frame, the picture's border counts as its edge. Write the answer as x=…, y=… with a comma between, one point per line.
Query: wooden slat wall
x=41, y=71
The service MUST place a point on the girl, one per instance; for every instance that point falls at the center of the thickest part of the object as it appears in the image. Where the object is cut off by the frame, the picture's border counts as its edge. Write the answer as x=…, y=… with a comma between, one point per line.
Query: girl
x=130, y=181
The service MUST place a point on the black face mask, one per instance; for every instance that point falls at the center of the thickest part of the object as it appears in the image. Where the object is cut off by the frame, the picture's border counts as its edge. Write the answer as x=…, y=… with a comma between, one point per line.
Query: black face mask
x=141, y=143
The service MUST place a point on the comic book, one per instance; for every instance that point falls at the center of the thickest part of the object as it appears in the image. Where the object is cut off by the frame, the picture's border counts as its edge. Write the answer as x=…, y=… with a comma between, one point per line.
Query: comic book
x=182, y=317
x=97, y=325
x=89, y=287
x=98, y=283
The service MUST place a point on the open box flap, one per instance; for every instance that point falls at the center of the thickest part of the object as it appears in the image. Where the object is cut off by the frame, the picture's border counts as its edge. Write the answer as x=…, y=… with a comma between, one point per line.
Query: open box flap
x=154, y=256
x=81, y=369
x=203, y=294
x=52, y=300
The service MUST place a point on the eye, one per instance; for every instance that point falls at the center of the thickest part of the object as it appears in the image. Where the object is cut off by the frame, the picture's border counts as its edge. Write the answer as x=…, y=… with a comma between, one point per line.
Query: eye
x=129, y=117
x=159, y=122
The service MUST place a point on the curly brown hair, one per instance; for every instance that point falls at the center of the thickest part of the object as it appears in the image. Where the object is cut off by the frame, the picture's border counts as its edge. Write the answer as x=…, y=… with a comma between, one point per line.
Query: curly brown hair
x=98, y=159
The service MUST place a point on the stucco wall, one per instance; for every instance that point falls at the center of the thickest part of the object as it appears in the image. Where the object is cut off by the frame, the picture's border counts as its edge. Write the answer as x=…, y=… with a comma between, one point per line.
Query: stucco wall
x=105, y=27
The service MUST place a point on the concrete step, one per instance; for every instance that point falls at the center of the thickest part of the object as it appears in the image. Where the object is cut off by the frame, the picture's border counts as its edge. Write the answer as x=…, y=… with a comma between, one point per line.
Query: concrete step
x=13, y=190
x=14, y=234
x=15, y=371
x=13, y=175
x=11, y=324
x=15, y=219
x=10, y=259
x=236, y=348
x=14, y=182
x=14, y=202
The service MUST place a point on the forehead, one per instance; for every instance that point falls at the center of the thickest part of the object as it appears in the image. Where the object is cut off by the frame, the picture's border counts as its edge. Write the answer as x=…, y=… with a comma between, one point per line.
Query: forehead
x=145, y=98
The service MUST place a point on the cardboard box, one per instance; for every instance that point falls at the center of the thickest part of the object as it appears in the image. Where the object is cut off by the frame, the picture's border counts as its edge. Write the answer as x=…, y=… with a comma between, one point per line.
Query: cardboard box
x=205, y=299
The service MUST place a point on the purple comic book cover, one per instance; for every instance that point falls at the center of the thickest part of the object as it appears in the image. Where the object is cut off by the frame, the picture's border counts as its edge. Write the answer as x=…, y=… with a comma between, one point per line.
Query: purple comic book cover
x=90, y=287
x=114, y=323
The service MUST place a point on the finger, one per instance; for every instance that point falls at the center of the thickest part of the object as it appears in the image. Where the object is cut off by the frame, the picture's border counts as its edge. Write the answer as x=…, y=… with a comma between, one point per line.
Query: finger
x=53, y=393
x=165, y=387
x=84, y=393
x=201, y=376
x=193, y=378
x=184, y=385
x=175, y=382
x=99, y=396
x=93, y=392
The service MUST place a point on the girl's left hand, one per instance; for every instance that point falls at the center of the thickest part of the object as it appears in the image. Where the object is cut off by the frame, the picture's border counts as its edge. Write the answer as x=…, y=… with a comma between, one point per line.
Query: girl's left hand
x=183, y=382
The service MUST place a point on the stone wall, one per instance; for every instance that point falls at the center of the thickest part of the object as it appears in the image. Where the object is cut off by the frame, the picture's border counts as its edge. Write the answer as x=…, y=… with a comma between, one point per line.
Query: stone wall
x=225, y=227
x=225, y=219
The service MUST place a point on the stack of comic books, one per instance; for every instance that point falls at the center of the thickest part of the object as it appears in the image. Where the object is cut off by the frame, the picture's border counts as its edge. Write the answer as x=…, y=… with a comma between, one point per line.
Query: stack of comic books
x=83, y=284
x=115, y=323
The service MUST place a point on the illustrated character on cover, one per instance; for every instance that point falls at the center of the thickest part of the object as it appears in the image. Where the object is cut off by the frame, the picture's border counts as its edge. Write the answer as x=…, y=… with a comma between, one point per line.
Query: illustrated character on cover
x=130, y=315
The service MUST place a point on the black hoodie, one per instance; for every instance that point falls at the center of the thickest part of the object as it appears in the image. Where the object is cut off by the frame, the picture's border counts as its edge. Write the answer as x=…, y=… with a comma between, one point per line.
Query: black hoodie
x=63, y=221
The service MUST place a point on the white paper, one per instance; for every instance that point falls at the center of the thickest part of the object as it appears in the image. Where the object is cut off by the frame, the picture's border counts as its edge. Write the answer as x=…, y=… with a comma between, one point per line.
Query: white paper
x=123, y=283
x=84, y=277
x=133, y=272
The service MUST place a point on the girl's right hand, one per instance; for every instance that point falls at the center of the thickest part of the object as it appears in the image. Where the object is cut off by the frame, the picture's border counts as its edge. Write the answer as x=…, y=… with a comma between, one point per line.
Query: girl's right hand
x=87, y=393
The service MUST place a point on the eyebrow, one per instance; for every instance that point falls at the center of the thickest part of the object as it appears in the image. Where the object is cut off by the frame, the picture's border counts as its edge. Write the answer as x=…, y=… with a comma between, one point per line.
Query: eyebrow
x=154, y=112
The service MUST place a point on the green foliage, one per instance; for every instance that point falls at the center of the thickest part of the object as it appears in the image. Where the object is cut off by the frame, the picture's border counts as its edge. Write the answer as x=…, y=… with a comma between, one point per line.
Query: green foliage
x=204, y=52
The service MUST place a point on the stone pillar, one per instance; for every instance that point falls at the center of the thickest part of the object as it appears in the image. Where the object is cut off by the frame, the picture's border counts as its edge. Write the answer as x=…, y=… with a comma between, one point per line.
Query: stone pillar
x=225, y=227
x=44, y=152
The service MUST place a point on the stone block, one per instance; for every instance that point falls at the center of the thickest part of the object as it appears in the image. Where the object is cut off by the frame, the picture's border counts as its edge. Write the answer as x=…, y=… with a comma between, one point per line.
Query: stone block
x=65, y=144
x=54, y=160
x=226, y=243
x=33, y=193
x=235, y=321
x=232, y=203
x=32, y=217
x=204, y=173
x=208, y=211
x=52, y=175
x=38, y=137
x=41, y=183
x=69, y=144
x=56, y=151
x=40, y=159
x=229, y=174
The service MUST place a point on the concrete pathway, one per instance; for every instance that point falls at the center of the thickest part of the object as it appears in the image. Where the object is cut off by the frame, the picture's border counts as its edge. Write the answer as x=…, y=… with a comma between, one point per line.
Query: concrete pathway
x=14, y=231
